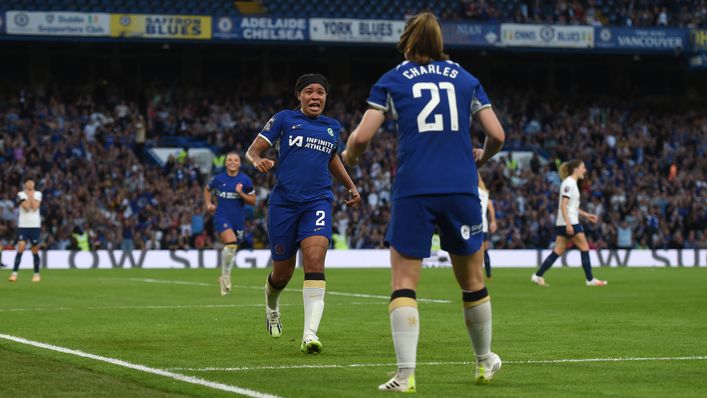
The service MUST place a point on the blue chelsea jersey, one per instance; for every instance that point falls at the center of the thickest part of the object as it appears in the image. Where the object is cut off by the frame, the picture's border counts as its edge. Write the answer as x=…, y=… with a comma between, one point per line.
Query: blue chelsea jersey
x=305, y=146
x=229, y=203
x=433, y=105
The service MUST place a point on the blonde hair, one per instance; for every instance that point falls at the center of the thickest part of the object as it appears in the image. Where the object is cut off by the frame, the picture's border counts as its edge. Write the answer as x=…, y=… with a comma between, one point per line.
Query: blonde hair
x=421, y=41
x=567, y=168
x=481, y=182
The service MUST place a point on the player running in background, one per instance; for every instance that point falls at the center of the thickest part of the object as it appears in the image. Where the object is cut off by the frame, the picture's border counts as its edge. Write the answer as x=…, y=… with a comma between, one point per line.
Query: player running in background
x=433, y=100
x=29, y=226
x=300, y=205
x=489, y=222
x=567, y=226
x=232, y=190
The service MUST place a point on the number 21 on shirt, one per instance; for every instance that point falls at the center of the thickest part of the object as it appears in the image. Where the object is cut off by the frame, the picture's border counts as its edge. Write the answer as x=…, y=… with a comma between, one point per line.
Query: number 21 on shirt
x=434, y=89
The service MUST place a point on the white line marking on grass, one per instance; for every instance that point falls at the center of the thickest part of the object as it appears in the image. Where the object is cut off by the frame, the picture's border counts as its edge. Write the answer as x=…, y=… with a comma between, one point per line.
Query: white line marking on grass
x=150, y=280
x=371, y=365
x=422, y=300
x=176, y=376
x=169, y=307
x=619, y=359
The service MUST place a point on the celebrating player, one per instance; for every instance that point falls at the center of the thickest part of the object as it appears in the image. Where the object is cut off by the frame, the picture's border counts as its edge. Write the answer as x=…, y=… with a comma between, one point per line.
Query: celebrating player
x=29, y=226
x=489, y=222
x=232, y=190
x=300, y=205
x=433, y=100
x=567, y=226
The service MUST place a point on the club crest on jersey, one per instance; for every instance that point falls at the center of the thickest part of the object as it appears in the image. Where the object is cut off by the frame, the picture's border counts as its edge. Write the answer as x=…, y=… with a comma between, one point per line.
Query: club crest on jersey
x=330, y=131
x=567, y=189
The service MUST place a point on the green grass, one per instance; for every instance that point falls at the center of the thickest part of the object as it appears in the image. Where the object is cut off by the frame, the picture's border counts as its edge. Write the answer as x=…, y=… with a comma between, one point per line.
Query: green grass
x=644, y=312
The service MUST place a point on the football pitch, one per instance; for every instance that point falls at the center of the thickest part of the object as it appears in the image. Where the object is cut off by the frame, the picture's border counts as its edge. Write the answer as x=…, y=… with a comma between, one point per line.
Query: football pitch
x=168, y=333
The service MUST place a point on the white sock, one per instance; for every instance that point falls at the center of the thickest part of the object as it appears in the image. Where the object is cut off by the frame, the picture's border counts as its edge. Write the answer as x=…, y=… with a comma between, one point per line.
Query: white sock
x=405, y=328
x=478, y=324
x=227, y=256
x=272, y=296
x=313, y=297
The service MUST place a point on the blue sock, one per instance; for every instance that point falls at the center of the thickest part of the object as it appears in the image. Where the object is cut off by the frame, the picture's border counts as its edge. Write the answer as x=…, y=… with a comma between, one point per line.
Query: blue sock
x=18, y=258
x=547, y=263
x=487, y=263
x=36, y=262
x=587, y=266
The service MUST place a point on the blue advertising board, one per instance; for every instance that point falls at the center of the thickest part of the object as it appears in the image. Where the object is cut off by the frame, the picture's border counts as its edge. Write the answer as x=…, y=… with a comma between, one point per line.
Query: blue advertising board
x=641, y=39
x=470, y=34
x=261, y=29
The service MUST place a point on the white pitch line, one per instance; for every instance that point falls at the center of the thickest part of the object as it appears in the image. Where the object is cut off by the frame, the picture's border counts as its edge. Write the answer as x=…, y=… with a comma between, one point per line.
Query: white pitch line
x=375, y=296
x=151, y=280
x=176, y=376
x=438, y=363
x=167, y=307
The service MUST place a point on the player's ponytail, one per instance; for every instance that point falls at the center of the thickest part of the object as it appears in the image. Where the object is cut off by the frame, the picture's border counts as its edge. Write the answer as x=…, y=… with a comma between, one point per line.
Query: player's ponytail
x=421, y=41
x=567, y=168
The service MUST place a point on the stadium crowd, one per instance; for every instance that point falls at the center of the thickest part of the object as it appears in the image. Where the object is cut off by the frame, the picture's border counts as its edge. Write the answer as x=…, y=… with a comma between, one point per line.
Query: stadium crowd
x=633, y=13
x=646, y=166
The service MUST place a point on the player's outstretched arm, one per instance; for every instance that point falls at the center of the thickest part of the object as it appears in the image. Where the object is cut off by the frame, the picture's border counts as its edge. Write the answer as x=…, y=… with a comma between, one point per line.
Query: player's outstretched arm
x=208, y=205
x=362, y=135
x=495, y=135
x=492, y=217
x=591, y=217
x=253, y=155
x=339, y=172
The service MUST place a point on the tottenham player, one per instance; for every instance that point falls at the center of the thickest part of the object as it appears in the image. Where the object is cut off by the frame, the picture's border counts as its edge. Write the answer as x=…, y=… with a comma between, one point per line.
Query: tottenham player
x=232, y=190
x=433, y=100
x=300, y=205
x=489, y=222
x=567, y=226
x=29, y=226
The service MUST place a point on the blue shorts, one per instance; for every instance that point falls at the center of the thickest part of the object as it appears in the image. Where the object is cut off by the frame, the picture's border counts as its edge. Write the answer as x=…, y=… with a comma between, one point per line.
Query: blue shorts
x=562, y=231
x=413, y=222
x=30, y=235
x=223, y=223
x=288, y=225
x=484, y=236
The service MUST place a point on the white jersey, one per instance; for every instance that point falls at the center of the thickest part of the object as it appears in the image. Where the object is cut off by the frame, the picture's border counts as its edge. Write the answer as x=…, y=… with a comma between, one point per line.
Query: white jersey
x=29, y=219
x=570, y=190
x=484, y=196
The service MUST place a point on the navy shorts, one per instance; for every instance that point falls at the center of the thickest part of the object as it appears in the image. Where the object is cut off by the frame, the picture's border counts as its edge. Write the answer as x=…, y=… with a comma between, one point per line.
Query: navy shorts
x=413, y=221
x=30, y=235
x=562, y=231
x=288, y=225
x=223, y=223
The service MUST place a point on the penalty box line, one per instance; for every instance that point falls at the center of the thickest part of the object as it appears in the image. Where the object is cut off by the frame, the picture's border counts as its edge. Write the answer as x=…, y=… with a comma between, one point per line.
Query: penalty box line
x=445, y=363
x=160, y=372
